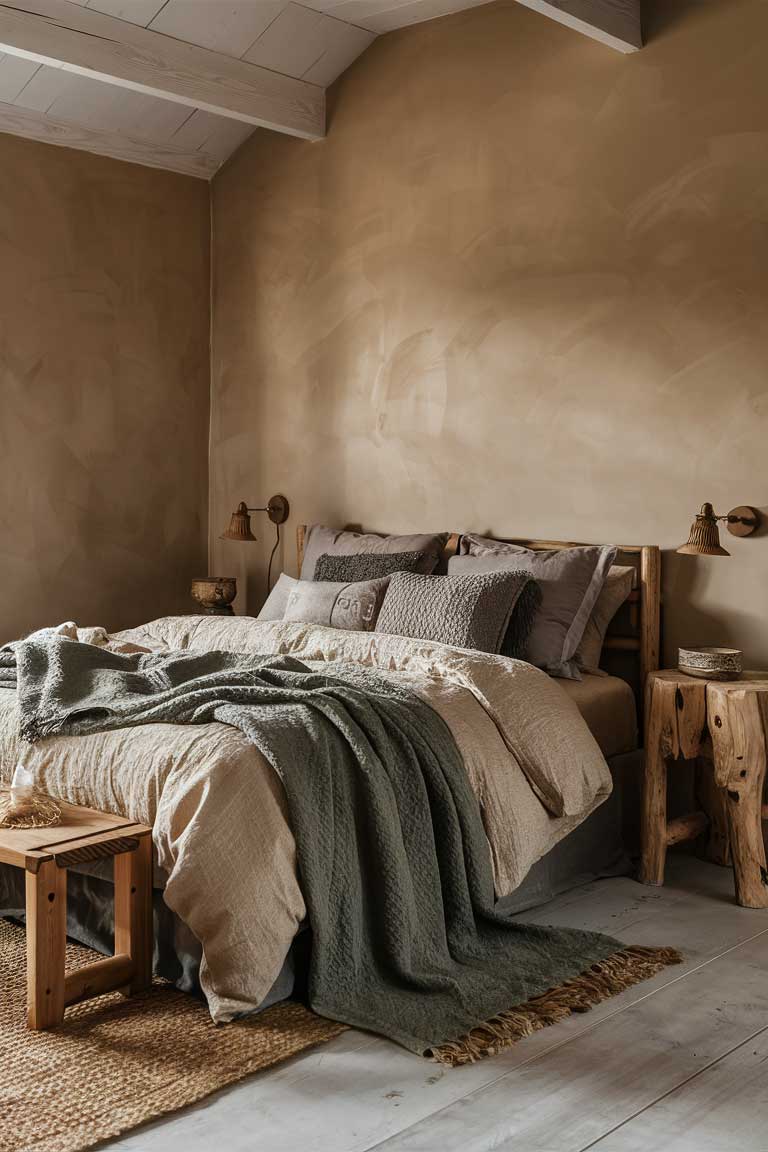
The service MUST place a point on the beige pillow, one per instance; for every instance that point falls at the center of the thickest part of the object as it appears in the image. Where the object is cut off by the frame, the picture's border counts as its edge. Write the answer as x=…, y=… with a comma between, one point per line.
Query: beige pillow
x=352, y=606
x=617, y=587
x=275, y=604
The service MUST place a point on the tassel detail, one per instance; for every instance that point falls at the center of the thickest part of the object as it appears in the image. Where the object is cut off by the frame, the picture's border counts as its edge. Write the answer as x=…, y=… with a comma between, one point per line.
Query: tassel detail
x=607, y=978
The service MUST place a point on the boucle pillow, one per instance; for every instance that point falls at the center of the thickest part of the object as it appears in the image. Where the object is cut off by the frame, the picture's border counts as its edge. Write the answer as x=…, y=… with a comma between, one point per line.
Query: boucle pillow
x=471, y=611
x=353, y=606
x=570, y=580
x=366, y=565
x=618, y=585
x=320, y=540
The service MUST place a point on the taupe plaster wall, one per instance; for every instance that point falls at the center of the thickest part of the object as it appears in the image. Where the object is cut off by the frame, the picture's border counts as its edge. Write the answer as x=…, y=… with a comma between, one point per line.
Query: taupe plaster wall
x=104, y=388
x=521, y=287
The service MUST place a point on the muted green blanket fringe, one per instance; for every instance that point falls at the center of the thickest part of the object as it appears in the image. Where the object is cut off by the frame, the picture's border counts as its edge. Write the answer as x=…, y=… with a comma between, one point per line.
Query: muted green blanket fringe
x=600, y=982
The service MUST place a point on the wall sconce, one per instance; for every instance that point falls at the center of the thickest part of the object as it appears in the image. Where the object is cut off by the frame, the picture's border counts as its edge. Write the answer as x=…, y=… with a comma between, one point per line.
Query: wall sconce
x=704, y=538
x=277, y=508
x=240, y=522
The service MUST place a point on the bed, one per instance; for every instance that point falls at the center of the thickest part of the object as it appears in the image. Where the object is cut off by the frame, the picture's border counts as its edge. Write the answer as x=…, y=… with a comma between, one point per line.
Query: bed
x=534, y=853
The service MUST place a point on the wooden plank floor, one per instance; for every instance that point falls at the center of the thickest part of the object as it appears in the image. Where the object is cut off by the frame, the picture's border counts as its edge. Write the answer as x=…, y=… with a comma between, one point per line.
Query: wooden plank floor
x=678, y=1064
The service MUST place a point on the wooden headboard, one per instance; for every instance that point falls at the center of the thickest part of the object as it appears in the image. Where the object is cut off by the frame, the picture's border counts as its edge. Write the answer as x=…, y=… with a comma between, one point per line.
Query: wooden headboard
x=631, y=647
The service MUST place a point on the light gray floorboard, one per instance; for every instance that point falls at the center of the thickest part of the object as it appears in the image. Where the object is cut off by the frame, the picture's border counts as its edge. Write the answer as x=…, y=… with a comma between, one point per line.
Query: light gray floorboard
x=558, y=1091
x=564, y=1100
x=724, y=1108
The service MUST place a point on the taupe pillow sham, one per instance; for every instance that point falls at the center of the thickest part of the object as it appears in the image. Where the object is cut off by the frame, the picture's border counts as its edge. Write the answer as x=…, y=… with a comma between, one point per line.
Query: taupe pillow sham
x=465, y=611
x=320, y=540
x=617, y=587
x=570, y=581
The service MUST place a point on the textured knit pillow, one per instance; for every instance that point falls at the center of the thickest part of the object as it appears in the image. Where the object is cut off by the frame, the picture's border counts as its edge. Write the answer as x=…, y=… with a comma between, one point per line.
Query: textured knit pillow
x=471, y=611
x=617, y=587
x=367, y=565
x=570, y=580
x=320, y=540
x=352, y=606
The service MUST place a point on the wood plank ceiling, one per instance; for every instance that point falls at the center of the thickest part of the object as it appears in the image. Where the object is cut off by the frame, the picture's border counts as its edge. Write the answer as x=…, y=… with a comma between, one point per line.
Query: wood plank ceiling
x=180, y=84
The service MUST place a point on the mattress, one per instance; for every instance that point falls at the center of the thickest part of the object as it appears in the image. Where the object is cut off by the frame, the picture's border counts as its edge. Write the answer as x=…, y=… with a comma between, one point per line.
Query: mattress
x=608, y=706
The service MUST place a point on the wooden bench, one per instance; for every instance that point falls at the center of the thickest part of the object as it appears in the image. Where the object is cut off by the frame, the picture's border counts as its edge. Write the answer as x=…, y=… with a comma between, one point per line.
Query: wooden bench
x=45, y=854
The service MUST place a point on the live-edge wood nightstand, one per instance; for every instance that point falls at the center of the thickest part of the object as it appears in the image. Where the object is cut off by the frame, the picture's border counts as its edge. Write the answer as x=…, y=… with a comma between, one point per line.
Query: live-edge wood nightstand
x=725, y=723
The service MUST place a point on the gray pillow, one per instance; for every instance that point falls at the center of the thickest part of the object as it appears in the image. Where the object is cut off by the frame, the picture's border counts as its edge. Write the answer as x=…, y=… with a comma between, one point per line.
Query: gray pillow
x=570, y=580
x=469, y=611
x=275, y=604
x=367, y=565
x=352, y=606
x=618, y=585
x=332, y=541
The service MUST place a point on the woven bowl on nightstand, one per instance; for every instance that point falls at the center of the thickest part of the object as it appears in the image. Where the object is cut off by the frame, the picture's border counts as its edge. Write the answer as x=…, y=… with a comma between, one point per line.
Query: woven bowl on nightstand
x=710, y=663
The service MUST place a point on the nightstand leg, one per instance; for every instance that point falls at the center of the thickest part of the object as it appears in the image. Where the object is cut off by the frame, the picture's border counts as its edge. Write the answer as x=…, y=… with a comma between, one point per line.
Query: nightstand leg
x=713, y=801
x=739, y=723
x=654, y=817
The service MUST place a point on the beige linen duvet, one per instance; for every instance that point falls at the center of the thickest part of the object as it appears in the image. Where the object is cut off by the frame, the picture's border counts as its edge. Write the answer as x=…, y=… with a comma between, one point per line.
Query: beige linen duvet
x=221, y=831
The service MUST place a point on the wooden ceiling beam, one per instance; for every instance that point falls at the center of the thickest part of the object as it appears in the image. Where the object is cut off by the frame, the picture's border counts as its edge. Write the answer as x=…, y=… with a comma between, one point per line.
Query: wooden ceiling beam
x=37, y=126
x=87, y=42
x=613, y=22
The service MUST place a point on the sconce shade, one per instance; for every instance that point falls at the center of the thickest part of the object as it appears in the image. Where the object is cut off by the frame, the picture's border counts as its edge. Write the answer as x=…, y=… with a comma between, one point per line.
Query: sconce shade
x=239, y=525
x=704, y=539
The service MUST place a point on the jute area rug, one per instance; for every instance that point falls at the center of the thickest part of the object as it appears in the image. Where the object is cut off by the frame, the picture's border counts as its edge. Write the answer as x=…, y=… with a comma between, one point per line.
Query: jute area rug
x=116, y=1063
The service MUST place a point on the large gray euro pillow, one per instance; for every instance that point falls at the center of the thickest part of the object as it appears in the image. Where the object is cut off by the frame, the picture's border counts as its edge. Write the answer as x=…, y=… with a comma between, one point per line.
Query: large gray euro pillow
x=465, y=611
x=320, y=540
x=570, y=580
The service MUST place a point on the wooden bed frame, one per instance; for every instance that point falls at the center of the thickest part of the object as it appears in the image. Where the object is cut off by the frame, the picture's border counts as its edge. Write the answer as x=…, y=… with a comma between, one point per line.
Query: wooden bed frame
x=632, y=645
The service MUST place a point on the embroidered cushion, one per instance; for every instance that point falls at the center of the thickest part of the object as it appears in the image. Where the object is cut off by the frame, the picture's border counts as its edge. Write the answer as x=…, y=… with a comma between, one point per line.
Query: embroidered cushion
x=353, y=606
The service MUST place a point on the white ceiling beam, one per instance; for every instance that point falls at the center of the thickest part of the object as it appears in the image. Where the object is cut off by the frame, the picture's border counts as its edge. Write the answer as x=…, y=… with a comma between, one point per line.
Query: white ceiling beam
x=89, y=43
x=613, y=22
x=37, y=126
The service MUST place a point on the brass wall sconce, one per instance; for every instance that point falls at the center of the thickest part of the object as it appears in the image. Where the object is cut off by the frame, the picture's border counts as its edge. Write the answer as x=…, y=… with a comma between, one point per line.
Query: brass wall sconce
x=704, y=538
x=277, y=509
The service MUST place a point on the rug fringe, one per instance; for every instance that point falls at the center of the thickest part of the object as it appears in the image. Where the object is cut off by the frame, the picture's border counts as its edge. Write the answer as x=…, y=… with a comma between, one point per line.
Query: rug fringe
x=607, y=978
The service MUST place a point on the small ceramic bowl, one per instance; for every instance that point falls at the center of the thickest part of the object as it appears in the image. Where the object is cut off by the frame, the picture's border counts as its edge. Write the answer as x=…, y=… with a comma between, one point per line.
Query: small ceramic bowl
x=710, y=663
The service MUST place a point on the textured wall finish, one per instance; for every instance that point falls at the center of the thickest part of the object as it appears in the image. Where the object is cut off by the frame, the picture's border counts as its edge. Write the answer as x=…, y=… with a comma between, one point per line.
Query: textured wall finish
x=103, y=385
x=522, y=287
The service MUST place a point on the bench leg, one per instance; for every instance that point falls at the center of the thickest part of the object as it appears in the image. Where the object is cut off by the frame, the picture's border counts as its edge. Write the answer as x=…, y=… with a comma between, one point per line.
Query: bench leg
x=46, y=944
x=133, y=912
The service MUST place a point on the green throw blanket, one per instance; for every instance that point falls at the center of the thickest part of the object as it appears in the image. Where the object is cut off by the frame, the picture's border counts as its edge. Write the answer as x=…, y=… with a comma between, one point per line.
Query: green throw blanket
x=393, y=858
